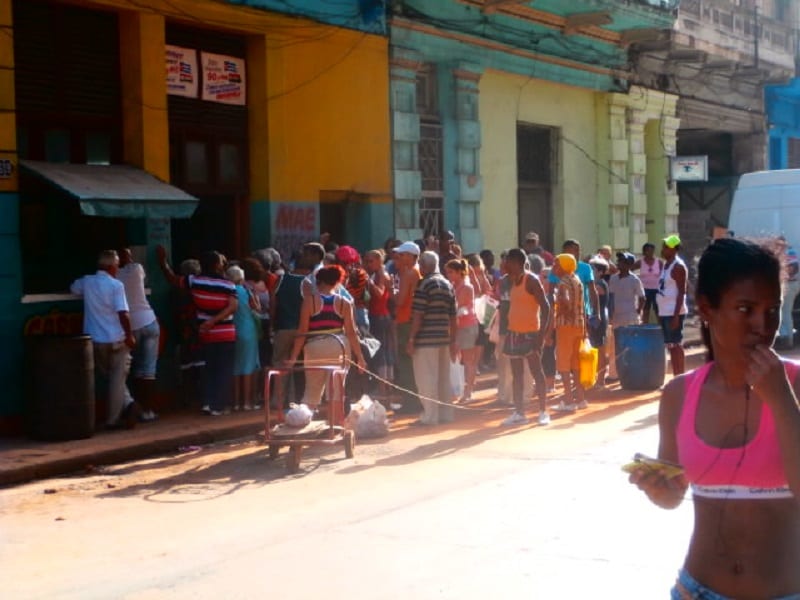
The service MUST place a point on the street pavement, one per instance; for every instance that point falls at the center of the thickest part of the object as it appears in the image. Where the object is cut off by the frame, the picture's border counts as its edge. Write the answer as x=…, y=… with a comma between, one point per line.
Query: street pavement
x=467, y=510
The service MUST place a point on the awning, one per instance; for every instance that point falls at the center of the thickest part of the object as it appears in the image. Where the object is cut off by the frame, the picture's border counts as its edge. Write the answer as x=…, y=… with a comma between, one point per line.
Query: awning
x=116, y=190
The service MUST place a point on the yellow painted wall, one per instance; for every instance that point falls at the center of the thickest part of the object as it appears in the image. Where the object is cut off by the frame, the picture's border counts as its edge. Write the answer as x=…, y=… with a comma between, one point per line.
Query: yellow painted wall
x=329, y=117
x=506, y=99
x=328, y=99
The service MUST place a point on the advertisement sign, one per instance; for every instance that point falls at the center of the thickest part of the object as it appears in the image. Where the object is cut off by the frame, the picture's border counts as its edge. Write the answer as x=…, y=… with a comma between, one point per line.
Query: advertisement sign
x=182, y=74
x=223, y=78
x=294, y=224
x=689, y=168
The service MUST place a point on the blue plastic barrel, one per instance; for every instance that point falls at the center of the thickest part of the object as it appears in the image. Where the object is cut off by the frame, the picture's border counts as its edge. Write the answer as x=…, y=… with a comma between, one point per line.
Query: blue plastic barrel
x=640, y=357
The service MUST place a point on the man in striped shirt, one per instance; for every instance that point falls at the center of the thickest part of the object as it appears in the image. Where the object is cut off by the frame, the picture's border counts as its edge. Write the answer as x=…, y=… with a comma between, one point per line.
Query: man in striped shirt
x=214, y=298
x=431, y=343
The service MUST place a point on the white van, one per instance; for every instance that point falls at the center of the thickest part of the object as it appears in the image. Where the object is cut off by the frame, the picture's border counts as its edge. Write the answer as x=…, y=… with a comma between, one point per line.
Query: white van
x=767, y=204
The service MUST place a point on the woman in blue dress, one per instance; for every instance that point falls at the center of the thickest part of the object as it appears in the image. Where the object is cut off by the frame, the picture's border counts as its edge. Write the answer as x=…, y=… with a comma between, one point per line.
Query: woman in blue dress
x=246, y=363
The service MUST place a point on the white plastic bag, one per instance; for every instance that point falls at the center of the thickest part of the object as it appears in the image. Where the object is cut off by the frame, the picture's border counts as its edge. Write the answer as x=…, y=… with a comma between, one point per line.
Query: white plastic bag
x=298, y=415
x=456, y=378
x=367, y=418
x=485, y=308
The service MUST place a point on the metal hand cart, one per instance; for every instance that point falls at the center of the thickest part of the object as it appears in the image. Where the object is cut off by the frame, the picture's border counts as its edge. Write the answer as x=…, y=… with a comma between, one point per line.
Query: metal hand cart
x=320, y=432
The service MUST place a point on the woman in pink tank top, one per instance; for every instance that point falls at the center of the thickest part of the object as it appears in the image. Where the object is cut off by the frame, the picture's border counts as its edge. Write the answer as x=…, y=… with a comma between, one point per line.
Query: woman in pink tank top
x=734, y=426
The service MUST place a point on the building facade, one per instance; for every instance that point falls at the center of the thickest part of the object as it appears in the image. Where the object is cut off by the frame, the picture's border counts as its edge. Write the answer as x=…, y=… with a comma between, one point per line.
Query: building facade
x=270, y=123
x=512, y=116
x=718, y=58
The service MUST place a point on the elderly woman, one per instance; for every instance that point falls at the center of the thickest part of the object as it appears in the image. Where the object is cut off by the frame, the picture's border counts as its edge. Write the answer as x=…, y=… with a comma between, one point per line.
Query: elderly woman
x=246, y=362
x=326, y=325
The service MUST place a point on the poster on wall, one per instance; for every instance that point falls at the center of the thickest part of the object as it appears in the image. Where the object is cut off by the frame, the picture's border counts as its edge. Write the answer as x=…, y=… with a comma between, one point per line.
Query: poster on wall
x=223, y=78
x=293, y=224
x=182, y=74
x=689, y=168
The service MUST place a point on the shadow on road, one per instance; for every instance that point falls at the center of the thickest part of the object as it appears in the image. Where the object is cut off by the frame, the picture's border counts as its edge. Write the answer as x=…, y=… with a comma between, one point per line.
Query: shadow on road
x=208, y=473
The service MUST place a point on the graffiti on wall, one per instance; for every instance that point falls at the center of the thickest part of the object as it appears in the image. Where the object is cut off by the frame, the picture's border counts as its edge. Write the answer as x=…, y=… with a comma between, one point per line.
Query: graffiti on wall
x=294, y=224
x=54, y=322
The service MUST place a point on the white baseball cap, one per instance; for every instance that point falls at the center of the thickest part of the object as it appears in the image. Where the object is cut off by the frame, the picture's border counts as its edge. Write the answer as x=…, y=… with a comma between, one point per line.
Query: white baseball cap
x=408, y=248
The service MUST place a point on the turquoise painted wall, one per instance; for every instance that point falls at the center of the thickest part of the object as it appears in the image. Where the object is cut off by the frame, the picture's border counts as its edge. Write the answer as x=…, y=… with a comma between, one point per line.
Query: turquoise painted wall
x=467, y=20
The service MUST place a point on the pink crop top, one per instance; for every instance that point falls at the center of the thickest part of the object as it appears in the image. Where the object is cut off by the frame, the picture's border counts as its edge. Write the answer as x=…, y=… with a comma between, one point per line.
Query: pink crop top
x=750, y=471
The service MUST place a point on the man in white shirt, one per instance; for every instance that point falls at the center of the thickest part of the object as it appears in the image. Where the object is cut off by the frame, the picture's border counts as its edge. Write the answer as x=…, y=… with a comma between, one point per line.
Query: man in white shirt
x=146, y=332
x=627, y=298
x=106, y=320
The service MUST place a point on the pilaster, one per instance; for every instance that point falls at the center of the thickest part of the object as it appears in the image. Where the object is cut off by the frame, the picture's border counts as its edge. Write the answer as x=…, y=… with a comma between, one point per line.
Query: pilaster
x=404, y=65
x=144, y=92
x=258, y=136
x=614, y=228
x=466, y=79
x=11, y=265
x=145, y=123
x=637, y=191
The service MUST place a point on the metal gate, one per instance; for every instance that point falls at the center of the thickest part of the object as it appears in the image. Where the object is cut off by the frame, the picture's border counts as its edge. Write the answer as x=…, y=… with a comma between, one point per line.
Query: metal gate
x=431, y=205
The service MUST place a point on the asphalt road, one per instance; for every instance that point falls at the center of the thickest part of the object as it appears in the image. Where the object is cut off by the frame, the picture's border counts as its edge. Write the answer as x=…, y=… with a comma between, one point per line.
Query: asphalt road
x=468, y=511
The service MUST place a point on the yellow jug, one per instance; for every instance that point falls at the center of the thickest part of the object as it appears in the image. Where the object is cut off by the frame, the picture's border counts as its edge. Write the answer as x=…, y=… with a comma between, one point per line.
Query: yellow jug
x=587, y=363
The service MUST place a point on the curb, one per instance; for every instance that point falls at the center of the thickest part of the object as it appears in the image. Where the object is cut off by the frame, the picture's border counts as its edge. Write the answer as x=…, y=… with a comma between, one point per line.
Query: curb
x=50, y=466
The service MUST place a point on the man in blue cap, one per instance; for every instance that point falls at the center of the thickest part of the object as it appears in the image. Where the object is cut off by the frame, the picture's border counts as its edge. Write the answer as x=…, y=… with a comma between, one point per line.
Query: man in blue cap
x=671, y=301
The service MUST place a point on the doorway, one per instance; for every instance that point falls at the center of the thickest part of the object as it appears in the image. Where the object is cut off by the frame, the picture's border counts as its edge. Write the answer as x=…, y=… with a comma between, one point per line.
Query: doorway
x=535, y=182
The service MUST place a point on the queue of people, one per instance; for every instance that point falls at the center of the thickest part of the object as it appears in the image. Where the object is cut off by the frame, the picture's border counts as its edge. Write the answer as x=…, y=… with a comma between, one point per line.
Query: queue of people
x=407, y=316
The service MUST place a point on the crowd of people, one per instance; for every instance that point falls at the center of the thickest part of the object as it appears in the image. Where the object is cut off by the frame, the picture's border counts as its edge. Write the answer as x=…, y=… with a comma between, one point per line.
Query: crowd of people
x=417, y=320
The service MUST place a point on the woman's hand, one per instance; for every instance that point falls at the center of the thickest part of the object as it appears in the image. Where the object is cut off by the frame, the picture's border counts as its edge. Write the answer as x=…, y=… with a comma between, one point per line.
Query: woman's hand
x=666, y=492
x=454, y=352
x=766, y=375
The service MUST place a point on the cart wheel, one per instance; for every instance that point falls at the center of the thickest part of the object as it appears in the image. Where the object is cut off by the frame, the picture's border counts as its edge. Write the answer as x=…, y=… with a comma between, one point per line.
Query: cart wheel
x=274, y=450
x=349, y=443
x=293, y=460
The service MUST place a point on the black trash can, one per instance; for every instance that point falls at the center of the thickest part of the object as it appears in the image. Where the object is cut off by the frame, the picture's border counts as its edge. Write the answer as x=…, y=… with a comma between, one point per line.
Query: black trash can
x=59, y=377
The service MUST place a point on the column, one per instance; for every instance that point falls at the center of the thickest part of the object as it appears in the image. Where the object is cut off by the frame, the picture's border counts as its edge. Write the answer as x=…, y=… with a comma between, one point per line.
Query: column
x=145, y=122
x=258, y=136
x=11, y=359
x=468, y=145
x=404, y=64
x=638, y=178
x=613, y=225
x=144, y=92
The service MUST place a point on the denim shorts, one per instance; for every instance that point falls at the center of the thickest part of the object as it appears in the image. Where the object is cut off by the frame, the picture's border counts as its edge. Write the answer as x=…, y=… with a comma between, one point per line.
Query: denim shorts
x=688, y=588
x=671, y=336
x=145, y=352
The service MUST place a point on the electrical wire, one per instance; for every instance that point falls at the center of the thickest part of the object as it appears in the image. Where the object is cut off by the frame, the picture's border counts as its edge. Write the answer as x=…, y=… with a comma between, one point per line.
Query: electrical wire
x=321, y=73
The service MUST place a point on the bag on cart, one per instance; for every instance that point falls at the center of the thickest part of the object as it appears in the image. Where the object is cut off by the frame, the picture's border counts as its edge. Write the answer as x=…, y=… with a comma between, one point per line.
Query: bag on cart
x=367, y=418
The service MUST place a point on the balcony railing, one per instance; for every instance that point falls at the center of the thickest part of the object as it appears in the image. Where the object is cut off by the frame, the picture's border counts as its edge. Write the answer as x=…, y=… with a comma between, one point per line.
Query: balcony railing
x=775, y=31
